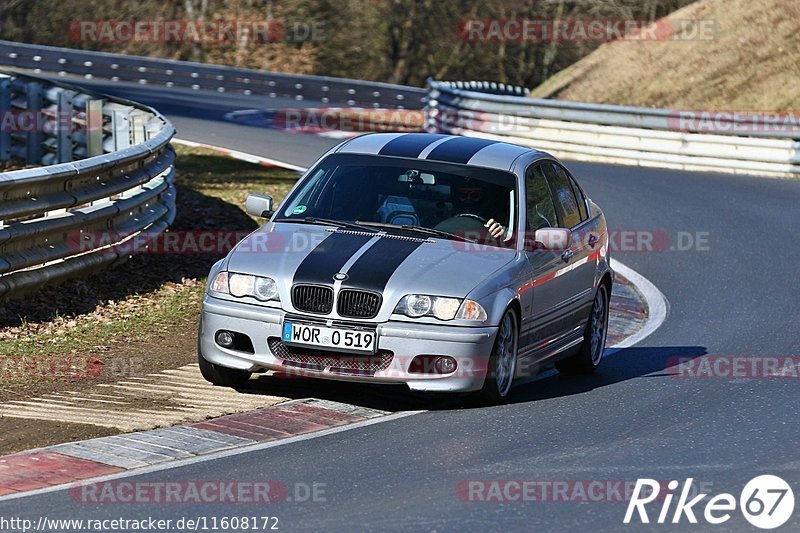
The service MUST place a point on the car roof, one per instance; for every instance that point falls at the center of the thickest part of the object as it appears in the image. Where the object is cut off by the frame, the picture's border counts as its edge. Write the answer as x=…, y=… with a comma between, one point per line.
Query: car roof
x=472, y=151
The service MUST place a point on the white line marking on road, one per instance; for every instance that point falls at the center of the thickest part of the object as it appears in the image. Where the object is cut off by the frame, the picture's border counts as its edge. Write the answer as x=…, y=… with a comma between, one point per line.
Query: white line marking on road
x=243, y=156
x=178, y=463
x=657, y=307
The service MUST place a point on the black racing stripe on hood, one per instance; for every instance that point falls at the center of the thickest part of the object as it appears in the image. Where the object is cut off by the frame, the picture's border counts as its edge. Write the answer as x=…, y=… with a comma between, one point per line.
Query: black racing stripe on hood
x=410, y=145
x=328, y=258
x=459, y=150
x=375, y=266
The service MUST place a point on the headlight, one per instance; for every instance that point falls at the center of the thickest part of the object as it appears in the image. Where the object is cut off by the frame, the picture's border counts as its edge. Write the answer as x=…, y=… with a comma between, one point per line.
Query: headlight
x=220, y=283
x=241, y=285
x=266, y=289
x=417, y=305
x=472, y=310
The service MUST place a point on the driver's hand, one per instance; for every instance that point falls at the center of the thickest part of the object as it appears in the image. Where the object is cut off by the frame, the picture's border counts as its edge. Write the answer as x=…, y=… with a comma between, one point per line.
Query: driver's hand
x=496, y=229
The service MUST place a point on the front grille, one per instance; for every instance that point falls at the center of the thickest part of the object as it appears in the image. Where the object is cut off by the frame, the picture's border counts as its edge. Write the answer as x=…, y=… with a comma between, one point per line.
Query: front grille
x=312, y=299
x=358, y=304
x=320, y=359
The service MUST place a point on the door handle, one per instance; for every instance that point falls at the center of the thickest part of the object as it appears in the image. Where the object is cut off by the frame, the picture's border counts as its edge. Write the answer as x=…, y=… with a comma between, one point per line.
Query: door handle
x=567, y=255
x=592, y=240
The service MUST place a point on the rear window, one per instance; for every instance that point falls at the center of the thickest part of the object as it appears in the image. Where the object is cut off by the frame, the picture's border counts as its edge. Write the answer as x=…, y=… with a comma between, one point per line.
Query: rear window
x=569, y=214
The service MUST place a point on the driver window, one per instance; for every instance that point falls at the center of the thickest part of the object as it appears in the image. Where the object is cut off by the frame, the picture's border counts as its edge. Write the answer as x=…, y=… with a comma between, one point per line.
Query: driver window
x=540, y=211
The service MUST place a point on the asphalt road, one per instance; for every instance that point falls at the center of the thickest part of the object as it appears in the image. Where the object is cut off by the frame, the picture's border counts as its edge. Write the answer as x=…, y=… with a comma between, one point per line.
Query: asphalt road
x=736, y=296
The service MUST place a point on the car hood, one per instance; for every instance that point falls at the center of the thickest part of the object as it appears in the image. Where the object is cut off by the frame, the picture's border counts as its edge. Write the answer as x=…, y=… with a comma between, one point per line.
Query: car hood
x=392, y=265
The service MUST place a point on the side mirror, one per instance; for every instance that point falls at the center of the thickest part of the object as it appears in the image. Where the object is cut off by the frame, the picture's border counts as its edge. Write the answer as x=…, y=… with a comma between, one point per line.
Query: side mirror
x=259, y=205
x=555, y=239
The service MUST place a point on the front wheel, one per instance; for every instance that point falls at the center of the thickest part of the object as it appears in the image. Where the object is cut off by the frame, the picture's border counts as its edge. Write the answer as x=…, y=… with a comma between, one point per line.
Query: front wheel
x=502, y=362
x=220, y=375
x=591, y=350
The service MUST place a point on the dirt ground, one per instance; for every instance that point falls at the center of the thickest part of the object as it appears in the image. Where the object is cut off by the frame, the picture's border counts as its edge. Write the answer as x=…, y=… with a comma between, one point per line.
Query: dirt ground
x=725, y=55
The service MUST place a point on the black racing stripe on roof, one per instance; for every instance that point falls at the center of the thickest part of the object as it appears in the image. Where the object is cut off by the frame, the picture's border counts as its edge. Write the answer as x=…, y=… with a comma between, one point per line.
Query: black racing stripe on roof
x=459, y=150
x=410, y=145
x=328, y=257
x=375, y=266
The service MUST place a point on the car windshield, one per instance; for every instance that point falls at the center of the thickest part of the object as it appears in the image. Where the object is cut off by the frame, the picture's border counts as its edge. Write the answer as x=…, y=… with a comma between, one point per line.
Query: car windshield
x=394, y=193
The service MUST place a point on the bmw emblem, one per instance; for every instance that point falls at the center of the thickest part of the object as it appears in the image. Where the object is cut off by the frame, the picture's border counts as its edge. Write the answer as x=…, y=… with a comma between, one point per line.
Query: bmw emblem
x=341, y=276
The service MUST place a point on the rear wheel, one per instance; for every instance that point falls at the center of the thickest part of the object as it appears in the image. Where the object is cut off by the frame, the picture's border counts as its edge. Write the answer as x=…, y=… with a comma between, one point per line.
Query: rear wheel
x=502, y=362
x=220, y=375
x=590, y=353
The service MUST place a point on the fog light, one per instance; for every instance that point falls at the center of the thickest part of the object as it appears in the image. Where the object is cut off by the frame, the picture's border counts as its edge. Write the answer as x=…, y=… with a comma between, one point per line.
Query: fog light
x=445, y=365
x=225, y=338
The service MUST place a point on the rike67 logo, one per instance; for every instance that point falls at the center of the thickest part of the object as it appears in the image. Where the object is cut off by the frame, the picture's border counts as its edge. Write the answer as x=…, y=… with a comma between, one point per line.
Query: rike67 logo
x=766, y=502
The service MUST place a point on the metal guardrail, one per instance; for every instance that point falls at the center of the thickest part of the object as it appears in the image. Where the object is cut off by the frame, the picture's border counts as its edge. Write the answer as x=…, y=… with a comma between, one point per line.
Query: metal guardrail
x=170, y=73
x=739, y=143
x=108, y=177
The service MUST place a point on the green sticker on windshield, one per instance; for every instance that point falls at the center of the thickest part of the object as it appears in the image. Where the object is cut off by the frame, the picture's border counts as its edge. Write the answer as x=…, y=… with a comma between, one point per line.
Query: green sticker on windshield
x=299, y=209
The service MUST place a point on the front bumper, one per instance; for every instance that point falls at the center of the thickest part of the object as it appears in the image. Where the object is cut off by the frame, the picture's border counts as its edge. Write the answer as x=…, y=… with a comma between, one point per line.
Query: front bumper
x=470, y=347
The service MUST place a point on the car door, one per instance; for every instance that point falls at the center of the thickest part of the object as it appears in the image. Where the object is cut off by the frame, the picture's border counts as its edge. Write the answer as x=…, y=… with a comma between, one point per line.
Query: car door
x=548, y=319
x=578, y=264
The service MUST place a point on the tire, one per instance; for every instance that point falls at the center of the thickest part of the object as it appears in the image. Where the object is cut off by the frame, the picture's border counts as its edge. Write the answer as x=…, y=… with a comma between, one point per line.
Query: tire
x=590, y=353
x=220, y=375
x=502, y=362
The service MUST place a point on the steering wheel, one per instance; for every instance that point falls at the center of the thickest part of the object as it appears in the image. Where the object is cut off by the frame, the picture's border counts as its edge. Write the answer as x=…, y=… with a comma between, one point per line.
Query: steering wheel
x=470, y=215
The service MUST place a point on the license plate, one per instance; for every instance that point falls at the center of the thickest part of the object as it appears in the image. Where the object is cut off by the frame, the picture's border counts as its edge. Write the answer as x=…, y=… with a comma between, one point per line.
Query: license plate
x=331, y=338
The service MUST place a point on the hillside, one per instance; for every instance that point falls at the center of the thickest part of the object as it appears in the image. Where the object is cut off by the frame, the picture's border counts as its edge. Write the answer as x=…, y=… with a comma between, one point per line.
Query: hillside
x=751, y=63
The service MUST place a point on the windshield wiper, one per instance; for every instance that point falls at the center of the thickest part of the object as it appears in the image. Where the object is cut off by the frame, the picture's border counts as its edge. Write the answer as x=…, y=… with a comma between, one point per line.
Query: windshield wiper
x=327, y=222
x=418, y=229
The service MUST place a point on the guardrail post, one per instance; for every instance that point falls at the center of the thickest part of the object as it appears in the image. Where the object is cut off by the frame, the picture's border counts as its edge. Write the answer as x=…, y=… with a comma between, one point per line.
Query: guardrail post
x=94, y=127
x=64, y=126
x=154, y=125
x=139, y=126
x=5, y=107
x=33, y=141
x=120, y=126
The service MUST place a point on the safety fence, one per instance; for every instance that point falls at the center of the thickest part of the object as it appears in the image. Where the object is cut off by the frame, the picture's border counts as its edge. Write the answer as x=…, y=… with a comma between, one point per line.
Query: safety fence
x=729, y=142
x=201, y=76
x=108, y=167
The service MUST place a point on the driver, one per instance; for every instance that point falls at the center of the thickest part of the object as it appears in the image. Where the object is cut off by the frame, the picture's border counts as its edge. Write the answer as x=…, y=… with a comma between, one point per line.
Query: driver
x=474, y=201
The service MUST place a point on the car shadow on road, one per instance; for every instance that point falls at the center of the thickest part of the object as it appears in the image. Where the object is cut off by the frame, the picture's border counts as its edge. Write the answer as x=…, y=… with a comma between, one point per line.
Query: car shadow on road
x=622, y=365
x=392, y=398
